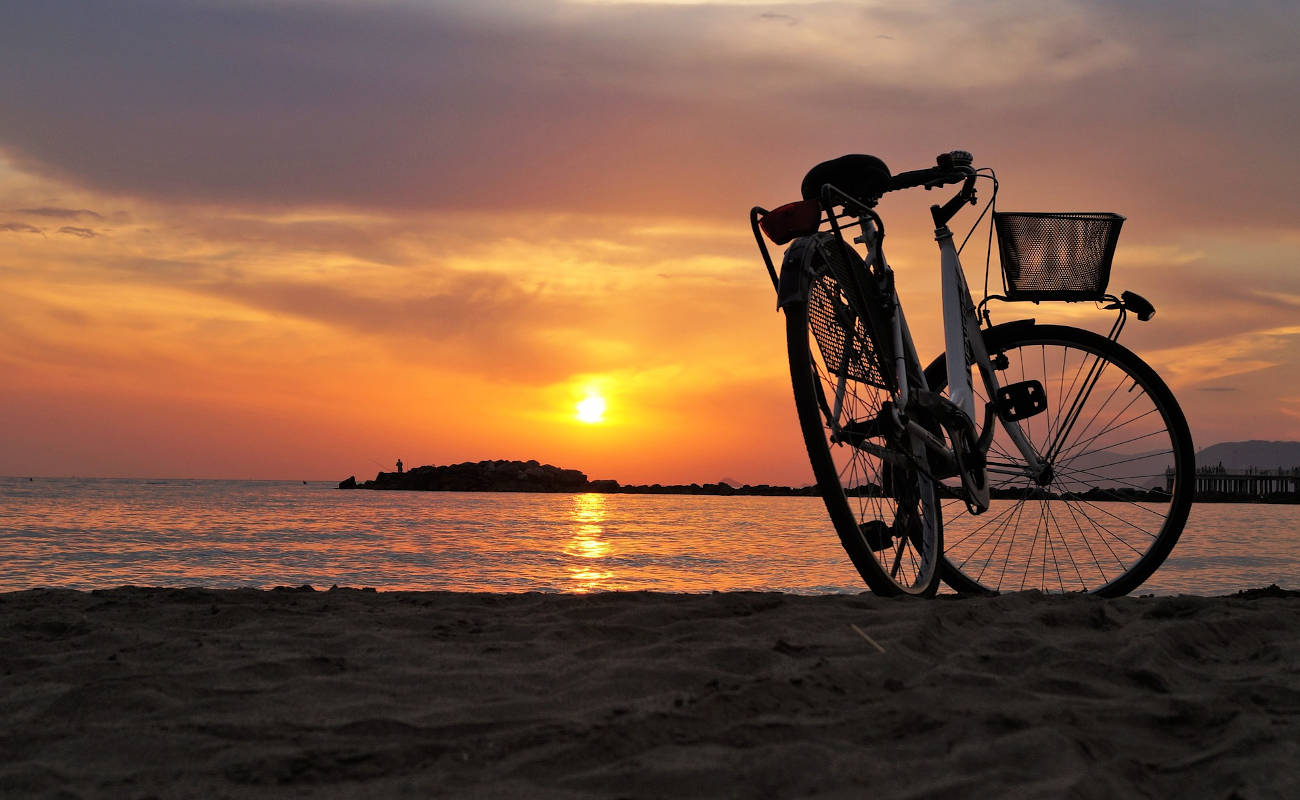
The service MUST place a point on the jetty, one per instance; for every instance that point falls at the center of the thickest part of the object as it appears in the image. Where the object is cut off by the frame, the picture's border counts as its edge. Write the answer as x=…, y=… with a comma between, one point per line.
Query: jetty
x=1219, y=483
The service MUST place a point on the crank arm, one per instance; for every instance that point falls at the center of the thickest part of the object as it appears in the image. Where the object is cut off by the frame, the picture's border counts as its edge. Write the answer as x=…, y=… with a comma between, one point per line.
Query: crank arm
x=942, y=462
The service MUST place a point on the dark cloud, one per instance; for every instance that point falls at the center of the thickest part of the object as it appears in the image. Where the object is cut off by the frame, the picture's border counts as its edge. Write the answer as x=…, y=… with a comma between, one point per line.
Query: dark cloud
x=80, y=233
x=60, y=213
x=19, y=227
x=1217, y=389
x=653, y=109
x=280, y=104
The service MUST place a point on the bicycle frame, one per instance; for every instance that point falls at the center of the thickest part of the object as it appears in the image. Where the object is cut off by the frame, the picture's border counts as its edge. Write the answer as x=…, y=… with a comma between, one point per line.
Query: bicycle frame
x=964, y=348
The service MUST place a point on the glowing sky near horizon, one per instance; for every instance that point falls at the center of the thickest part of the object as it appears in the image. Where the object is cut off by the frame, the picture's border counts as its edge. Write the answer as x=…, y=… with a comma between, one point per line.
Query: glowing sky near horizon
x=299, y=240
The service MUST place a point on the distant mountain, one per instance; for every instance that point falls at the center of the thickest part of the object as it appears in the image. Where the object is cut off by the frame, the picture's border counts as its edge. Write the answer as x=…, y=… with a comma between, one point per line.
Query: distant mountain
x=1254, y=453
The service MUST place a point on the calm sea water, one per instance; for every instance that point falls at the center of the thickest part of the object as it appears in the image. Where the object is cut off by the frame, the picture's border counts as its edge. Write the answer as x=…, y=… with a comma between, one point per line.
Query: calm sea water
x=100, y=533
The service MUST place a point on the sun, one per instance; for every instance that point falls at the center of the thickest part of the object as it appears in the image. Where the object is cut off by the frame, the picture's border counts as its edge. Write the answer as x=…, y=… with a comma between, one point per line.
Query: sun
x=592, y=409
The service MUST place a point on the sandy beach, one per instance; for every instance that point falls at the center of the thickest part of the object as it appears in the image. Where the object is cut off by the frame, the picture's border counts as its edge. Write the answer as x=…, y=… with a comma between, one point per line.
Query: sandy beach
x=169, y=693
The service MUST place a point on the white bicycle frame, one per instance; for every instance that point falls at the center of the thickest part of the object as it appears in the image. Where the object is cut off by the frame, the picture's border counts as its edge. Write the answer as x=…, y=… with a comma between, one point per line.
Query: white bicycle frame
x=963, y=346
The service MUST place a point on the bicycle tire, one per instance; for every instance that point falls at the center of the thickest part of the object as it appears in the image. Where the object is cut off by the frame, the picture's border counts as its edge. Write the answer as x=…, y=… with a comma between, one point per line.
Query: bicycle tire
x=1129, y=436
x=886, y=515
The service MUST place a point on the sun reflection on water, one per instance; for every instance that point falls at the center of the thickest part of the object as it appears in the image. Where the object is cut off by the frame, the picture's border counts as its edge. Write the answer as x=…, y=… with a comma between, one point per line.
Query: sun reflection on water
x=588, y=544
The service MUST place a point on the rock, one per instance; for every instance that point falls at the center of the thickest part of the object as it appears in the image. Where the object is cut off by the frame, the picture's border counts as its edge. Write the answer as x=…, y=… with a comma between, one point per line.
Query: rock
x=350, y=482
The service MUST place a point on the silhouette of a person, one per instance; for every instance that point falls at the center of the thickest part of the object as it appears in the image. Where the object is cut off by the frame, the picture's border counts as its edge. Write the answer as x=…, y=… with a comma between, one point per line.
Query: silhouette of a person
x=399, y=466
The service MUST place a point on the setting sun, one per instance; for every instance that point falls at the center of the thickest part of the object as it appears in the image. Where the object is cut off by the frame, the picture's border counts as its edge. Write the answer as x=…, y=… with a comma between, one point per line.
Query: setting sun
x=592, y=409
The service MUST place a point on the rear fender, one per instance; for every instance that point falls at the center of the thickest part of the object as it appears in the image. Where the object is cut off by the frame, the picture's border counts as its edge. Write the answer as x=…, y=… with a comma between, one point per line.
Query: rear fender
x=796, y=272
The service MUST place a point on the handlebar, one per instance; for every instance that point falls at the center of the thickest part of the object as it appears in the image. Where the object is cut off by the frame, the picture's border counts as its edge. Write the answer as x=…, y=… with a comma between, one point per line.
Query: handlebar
x=953, y=167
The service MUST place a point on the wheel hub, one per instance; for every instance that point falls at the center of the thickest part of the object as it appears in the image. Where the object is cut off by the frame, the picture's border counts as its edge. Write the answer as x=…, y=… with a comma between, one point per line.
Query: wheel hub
x=1045, y=475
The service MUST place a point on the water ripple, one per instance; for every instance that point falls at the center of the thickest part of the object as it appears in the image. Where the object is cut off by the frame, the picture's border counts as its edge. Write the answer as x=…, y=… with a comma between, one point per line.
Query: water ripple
x=85, y=533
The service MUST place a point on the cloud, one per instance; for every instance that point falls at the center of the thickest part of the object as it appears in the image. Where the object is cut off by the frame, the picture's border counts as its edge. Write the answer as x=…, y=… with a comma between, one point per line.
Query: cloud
x=474, y=324
x=659, y=109
x=80, y=233
x=1230, y=357
x=19, y=227
x=60, y=213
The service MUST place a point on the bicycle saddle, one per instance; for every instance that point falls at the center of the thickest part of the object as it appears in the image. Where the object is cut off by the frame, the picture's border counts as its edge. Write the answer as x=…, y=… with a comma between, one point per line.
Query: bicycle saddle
x=861, y=177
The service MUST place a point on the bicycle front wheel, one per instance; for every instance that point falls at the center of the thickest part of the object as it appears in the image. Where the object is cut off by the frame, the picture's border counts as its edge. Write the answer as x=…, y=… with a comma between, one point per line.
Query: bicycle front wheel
x=874, y=480
x=1118, y=480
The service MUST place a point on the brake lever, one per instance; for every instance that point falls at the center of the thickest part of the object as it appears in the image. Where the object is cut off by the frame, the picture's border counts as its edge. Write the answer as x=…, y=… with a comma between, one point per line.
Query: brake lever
x=968, y=188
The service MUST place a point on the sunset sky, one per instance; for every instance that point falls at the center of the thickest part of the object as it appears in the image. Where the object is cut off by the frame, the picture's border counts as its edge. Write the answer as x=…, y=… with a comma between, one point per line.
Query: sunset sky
x=301, y=240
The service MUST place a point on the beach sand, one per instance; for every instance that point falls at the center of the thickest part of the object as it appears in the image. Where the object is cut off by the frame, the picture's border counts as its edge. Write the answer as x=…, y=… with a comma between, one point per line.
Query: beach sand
x=137, y=693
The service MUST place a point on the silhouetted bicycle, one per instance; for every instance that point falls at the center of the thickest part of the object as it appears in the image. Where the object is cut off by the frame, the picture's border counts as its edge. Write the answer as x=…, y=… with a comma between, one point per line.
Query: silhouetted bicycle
x=1026, y=456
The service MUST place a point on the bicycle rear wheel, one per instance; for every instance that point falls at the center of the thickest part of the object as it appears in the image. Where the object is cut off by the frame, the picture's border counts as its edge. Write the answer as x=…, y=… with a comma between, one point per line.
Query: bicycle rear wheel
x=874, y=480
x=1117, y=494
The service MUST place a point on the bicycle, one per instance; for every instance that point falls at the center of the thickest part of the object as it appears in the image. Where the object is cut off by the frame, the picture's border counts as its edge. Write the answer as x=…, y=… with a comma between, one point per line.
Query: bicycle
x=1077, y=473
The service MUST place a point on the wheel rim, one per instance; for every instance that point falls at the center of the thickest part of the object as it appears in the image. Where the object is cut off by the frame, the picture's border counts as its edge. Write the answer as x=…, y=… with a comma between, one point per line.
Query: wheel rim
x=872, y=502
x=1102, y=519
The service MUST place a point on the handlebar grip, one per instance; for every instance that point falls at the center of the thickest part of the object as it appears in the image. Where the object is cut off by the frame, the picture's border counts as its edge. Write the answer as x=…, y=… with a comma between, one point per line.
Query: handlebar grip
x=916, y=177
x=953, y=167
x=930, y=178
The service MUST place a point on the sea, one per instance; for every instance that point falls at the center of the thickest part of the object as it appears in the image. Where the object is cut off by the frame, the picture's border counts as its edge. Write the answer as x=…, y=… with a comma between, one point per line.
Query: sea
x=102, y=533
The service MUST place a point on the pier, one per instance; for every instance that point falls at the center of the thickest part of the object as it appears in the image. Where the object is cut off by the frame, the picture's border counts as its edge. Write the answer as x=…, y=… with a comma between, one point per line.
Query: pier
x=1219, y=482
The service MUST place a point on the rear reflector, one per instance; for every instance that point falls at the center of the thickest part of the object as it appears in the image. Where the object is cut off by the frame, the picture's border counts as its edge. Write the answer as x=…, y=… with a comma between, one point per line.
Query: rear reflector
x=791, y=220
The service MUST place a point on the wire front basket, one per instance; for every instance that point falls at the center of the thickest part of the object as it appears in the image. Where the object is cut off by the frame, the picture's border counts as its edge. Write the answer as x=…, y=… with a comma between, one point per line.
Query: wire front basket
x=1052, y=256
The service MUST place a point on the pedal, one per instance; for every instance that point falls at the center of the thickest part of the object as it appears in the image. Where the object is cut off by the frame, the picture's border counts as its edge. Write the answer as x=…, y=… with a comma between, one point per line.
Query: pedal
x=1017, y=401
x=877, y=535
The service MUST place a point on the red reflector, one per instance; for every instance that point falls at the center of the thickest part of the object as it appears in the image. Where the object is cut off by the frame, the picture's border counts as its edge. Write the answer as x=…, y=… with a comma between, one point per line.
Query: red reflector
x=791, y=220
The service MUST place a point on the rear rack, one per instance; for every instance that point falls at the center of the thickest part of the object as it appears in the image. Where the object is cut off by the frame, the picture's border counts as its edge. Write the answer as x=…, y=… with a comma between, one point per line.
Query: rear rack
x=851, y=209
